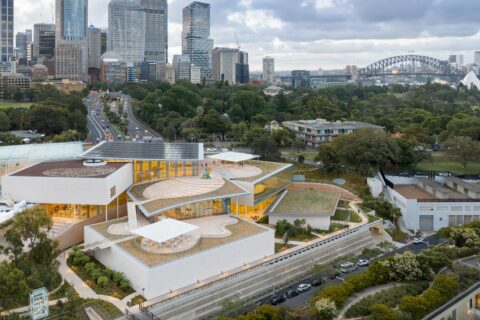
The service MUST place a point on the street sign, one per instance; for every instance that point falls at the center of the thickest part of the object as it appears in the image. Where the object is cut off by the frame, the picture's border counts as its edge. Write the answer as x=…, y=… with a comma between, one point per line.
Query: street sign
x=39, y=304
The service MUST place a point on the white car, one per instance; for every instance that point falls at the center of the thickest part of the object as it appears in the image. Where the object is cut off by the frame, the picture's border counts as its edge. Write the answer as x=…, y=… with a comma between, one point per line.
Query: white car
x=418, y=240
x=304, y=287
x=362, y=263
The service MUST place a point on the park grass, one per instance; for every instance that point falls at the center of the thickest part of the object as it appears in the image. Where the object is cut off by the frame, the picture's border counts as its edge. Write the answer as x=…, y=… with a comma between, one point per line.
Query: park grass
x=441, y=162
x=15, y=105
x=346, y=215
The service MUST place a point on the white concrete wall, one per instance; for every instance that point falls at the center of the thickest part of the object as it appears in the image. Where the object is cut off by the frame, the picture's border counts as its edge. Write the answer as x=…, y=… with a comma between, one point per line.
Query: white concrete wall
x=412, y=210
x=320, y=222
x=93, y=191
x=186, y=271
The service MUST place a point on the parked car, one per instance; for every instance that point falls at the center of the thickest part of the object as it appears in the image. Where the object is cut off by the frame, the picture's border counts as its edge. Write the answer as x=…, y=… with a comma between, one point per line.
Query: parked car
x=290, y=294
x=277, y=299
x=333, y=275
x=304, y=287
x=317, y=282
x=348, y=267
x=418, y=240
x=363, y=262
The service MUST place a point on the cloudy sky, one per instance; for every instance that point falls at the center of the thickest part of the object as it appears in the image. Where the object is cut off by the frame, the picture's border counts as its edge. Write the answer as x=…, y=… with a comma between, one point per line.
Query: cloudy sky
x=313, y=34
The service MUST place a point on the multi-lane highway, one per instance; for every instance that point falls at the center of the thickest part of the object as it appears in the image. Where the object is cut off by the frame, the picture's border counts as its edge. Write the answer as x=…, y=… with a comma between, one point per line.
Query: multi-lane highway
x=100, y=129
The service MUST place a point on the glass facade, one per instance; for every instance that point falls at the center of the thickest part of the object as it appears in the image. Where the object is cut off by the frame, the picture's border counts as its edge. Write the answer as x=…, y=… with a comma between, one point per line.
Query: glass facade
x=198, y=210
x=196, y=42
x=126, y=30
x=145, y=171
x=80, y=212
x=7, y=30
x=272, y=186
x=74, y=19
x=156, y=30
x=252, y=212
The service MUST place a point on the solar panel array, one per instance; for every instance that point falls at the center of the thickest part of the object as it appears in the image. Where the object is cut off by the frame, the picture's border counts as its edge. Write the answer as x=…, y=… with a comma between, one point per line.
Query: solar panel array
x=145, y=151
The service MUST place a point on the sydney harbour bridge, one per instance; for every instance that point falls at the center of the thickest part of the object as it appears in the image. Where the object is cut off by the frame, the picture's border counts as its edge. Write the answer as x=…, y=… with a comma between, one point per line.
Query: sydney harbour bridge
x=428, y=67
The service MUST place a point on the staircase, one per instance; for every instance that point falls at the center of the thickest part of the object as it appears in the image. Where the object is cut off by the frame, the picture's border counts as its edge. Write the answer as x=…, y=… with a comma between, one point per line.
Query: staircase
x=59, y=227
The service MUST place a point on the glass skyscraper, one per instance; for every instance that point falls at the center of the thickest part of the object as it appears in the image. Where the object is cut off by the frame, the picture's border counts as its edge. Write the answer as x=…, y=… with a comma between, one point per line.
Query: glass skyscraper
x=196, y=42
x=71, y=52
x=6, y=30
x=156, y=30
x=126, y=30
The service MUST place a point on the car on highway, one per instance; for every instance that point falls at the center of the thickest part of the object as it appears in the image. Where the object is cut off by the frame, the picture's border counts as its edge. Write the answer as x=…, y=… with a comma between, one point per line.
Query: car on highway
x=291, y=294
x=363, y=262
x=347, y=267
x=277, y=299
x=136, y=128
x=304, y=287
x=317, y=282
x=418, y=240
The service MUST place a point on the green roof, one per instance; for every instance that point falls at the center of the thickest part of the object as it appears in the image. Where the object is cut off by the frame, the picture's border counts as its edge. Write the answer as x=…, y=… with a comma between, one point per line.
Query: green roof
x=308, y=202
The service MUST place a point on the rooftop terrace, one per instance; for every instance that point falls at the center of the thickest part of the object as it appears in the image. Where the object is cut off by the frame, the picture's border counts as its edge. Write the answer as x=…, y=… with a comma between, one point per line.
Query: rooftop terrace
x=267, y=169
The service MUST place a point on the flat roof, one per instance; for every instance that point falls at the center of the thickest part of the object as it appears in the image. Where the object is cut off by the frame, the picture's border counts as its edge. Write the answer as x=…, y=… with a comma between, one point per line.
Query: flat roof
x=41, y=152
x=123, y=150
x=412, y=191
x=69, y=169
x=233, y=156
x=268, y=169
x=165, y=230
x=470, y=186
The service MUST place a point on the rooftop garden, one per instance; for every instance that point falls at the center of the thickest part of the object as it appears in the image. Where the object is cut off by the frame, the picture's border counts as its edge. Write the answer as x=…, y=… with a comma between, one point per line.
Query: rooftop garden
x=309, y=201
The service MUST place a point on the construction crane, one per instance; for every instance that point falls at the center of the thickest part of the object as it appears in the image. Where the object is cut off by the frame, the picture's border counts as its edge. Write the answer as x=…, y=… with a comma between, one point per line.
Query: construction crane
x=236, y=40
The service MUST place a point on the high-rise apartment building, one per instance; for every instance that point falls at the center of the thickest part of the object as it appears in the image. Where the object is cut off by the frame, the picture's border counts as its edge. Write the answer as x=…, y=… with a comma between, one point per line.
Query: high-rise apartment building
x=6, y=29
x=43, y=40
x=476, y=58
x=71, y=52
x=182, y=66
x=126, y=30
x=268, y=75
x=196, y=42
x=94, y=40
x=230, y=65
x=156, y=30
x=103, y=41
x=21, y=45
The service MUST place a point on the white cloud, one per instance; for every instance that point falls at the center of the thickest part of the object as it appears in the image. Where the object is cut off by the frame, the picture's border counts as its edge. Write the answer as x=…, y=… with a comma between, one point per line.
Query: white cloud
x=256, y=20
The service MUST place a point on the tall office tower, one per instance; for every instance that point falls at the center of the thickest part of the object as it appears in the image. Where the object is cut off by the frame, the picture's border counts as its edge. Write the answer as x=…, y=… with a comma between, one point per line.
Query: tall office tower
x=476, y=58
x=94, y=47
x=126, y=30
x=460, y=60
x=182, y=66
x=156, y=30
x=21, y=45
x=29, y=35
x=43, y=34
x=224, y=64
x=71, y=52
x=103, y=41
x=242, y=71
x=196, y=42
x=268, y=70
x=6, y=34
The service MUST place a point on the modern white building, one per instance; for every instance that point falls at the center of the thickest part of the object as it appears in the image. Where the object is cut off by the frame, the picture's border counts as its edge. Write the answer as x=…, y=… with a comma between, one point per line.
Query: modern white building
x=163, y=214
x=320, y=131
x=431, y=204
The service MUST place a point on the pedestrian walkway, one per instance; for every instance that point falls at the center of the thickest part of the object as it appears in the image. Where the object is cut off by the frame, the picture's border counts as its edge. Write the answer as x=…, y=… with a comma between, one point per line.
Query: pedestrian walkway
x=84, y=291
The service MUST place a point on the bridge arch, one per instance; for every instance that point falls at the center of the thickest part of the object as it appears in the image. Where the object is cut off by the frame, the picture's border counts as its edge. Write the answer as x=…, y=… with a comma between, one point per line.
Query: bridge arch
x=378, y=68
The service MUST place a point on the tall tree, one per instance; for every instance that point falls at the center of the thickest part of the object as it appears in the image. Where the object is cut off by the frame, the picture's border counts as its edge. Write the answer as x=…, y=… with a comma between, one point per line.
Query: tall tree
x=463, y=150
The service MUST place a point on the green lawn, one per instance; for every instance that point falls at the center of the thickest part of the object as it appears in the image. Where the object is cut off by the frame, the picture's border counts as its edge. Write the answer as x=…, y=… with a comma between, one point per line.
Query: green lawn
x=342, y=215
x=11, y=104
x=441, y=162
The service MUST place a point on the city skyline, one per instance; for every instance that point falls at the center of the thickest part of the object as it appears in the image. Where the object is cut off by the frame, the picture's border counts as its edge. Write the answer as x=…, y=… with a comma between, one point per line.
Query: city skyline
x=337, y=32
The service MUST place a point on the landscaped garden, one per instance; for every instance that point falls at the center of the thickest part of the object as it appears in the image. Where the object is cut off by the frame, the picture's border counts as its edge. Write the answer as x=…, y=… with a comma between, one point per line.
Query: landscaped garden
x=101, y=279
x=347, y=216
x=298, y=231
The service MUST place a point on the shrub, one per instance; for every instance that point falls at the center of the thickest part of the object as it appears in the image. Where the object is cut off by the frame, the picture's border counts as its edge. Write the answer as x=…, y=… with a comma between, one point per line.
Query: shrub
x=124, y=284
x=117, y=277
x=416, y=306
x=382, y=312
x=337, y=293
x=108, y=272
x=89, y=267
x=102, y=281
x=78, y=258
x=263, y=220
x=95, y=274
x=326, y=309
x=404, y=267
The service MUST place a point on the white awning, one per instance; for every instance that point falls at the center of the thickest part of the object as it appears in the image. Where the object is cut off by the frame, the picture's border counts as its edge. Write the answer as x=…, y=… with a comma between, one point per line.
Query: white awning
x=165, y=230
x=233, y=156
